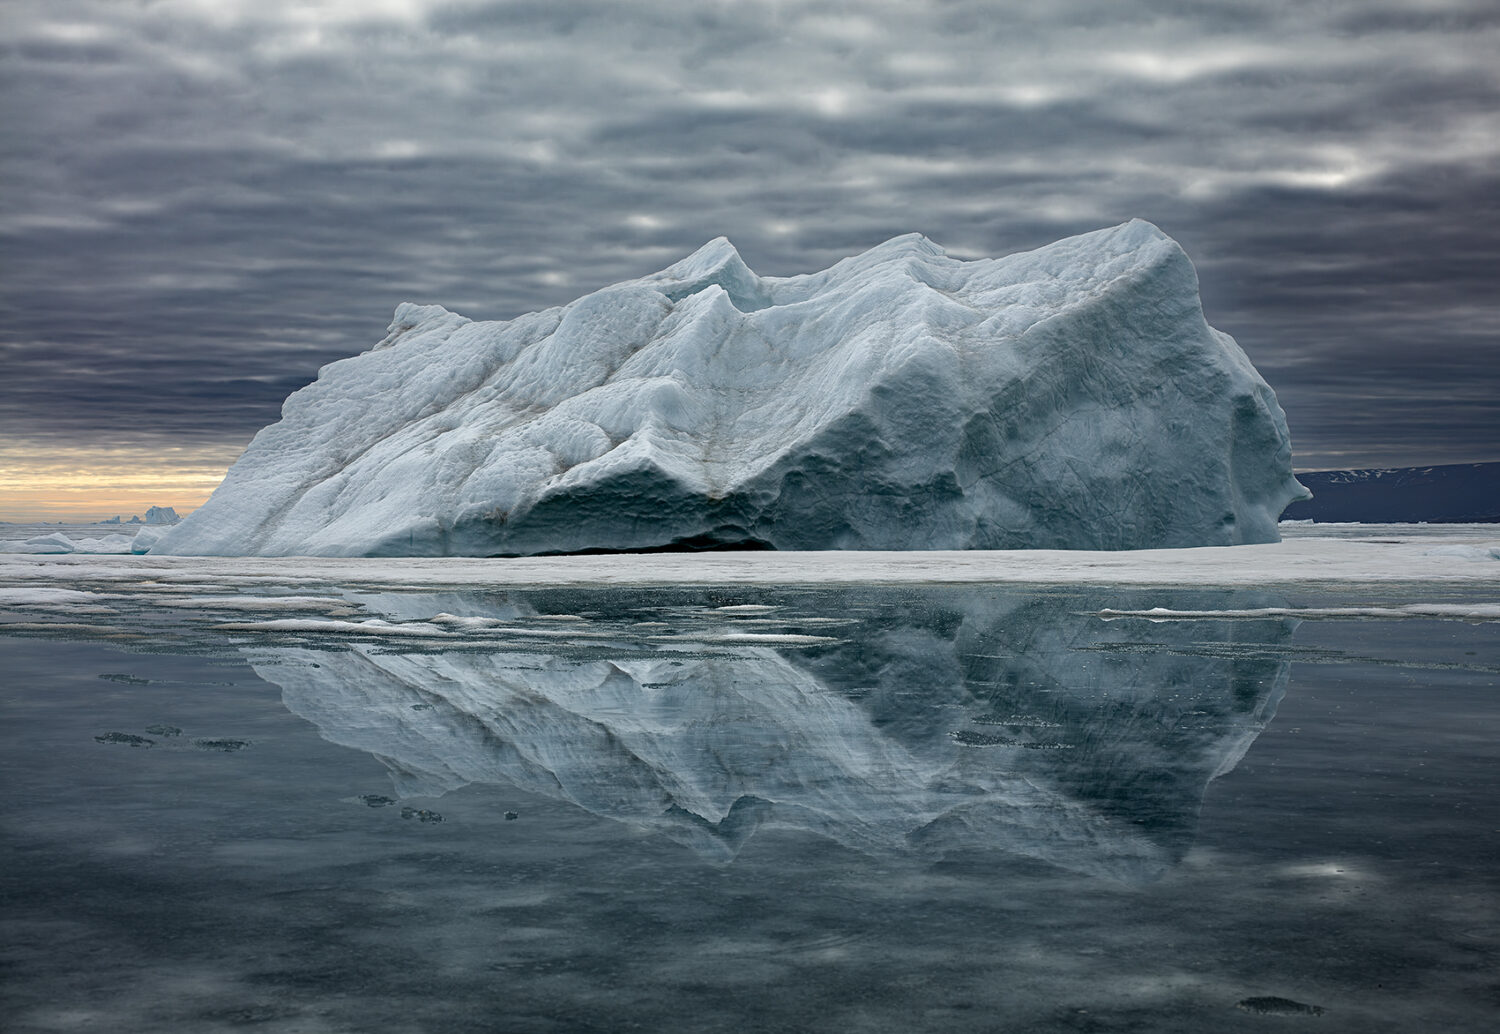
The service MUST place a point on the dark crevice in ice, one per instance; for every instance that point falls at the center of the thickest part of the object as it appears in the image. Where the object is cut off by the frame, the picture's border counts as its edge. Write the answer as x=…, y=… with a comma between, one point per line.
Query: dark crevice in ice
x=690, y=544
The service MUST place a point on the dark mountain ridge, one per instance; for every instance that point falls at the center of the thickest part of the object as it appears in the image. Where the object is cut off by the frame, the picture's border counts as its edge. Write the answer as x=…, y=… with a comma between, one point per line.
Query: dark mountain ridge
x=1456, y=493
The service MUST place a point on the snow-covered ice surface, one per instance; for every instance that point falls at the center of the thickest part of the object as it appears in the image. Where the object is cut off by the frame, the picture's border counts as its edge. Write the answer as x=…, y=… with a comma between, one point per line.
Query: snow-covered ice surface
x=1352, y=554
x=1070, y=397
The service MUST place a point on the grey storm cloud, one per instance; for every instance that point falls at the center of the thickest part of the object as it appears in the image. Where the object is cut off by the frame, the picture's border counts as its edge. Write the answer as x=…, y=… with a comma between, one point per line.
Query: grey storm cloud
x=205, y=200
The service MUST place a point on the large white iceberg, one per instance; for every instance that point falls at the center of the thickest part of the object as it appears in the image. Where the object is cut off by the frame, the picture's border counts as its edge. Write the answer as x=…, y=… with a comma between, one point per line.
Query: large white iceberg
x=1068, y=397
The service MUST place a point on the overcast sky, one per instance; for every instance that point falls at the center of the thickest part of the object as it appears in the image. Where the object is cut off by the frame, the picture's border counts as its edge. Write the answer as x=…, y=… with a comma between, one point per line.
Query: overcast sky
x=202, y=201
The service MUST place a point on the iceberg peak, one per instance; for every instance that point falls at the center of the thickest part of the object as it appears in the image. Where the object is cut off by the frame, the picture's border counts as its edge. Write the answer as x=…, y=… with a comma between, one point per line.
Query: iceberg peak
x=717, y=263
x=412, y=319
x=711, y=256
x=908, y=244
x=1067, y=397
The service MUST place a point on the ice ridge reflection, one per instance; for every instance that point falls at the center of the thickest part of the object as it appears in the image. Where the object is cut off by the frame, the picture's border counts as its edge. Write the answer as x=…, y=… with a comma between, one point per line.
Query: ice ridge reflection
x=919, y=721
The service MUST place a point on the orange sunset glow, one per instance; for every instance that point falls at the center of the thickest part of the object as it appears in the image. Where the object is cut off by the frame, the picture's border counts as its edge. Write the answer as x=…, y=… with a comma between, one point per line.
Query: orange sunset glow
x=47, y=482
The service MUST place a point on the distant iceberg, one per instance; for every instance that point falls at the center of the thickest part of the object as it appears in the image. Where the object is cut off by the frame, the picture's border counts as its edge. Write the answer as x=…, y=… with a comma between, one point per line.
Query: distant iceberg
x=58, y=542
x=112, y=535
x=1069, y=397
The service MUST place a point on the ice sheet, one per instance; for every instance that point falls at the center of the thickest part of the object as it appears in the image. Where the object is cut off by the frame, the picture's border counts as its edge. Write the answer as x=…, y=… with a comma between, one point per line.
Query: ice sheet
x=1405, y=555
x=1459, y=611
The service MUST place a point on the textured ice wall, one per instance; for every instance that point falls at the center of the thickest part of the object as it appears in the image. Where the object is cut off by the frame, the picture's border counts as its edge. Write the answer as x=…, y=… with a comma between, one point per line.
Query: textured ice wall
x=1068, y=397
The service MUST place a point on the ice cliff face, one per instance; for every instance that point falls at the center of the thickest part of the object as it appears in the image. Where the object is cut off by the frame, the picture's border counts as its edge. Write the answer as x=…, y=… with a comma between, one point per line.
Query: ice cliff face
x=1067, y=397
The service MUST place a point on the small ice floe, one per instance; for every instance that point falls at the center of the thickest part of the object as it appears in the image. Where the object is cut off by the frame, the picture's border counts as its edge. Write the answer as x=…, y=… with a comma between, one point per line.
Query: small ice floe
x=371, y=627
x=496, y=628
x=755, y=639
x=56, y=601
x=1447, y=611
x=29, y=596
x=254, y=603
x=1485, y=551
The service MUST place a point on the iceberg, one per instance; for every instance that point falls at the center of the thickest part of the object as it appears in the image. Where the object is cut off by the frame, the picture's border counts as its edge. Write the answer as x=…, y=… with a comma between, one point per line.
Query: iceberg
x=57, y=542
x=1070, y=397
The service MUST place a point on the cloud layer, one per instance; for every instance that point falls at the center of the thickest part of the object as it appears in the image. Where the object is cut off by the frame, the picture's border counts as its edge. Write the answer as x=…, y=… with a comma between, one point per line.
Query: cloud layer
x=206, y=200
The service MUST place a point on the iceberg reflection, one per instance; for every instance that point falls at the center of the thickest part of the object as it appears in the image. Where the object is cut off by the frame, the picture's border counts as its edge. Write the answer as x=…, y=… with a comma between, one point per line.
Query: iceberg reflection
x=923, y=721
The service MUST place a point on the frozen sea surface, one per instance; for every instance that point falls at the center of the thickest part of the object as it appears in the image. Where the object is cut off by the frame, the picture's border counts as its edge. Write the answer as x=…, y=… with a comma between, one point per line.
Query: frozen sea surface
x=284, y=796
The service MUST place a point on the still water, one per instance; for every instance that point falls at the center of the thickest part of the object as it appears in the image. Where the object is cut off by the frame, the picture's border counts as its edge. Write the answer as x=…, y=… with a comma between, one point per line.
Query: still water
x=761, y=809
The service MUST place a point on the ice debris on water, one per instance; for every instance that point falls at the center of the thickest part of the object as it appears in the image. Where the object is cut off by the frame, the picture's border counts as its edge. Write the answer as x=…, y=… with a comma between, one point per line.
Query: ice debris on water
x=225, y=746
x=1270, y=1005
x=1070, y=397
x=126, y=738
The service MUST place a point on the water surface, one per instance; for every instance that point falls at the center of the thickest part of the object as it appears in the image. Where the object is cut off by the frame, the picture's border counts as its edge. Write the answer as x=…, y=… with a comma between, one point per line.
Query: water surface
x=768, y=808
